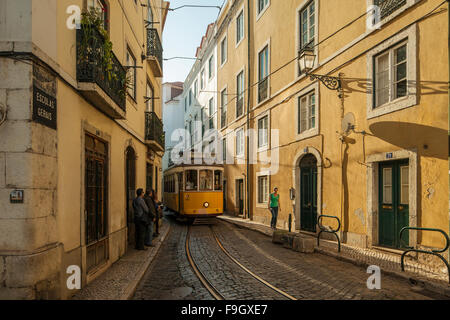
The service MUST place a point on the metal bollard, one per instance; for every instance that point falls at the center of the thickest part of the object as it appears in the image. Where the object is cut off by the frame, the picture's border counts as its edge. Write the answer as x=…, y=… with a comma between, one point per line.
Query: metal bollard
x=290, y=221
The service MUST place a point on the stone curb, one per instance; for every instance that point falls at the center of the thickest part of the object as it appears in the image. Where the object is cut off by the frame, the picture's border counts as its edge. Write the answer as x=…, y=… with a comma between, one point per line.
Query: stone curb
x=412, y=278
x=132, y=286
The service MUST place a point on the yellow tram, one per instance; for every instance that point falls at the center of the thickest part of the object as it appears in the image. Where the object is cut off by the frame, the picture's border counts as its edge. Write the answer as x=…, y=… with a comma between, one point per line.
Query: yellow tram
x=194, y=191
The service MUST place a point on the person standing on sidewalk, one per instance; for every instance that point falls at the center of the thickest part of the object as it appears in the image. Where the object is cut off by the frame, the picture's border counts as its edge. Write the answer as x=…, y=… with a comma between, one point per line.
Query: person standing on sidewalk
x=274, y=206
x=158, y=215
x=141, y=218
x=152, y=213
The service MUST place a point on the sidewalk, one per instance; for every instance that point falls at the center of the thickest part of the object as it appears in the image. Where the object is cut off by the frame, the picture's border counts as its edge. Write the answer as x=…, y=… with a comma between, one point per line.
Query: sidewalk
x=119, y=282
x=389, y=263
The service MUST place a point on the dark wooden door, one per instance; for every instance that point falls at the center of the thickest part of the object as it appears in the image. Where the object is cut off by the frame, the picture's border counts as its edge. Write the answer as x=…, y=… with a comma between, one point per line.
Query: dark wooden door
x=393, y=203
x=308, y=193
x=130, y=187
x=240, y=196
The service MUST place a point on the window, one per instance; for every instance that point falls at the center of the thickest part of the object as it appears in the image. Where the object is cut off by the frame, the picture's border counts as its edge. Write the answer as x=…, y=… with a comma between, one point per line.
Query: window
x=217, y=180
x=149, y=12
x=100, y=7
x=262, y=4
x=223, y=51
x=240, y=95
x=211, y=67
x=191, y=180
x=190, y=97
x=240, y=27
x=387, y=185
x=195, y=88
x=195, y=128
x=404, y=189
x=263, y=129
x=306, y=112
x=223, y=108
x=150, y=94
x=224, y=149
x=206, y=180
x=388, y=6
x=307, y=25
x=240, y=142
x=263, y=71
x=263, y=189
x=391, y=75
x=185, y=104
x=131, y=62
x=202, y=79
x=212, y=111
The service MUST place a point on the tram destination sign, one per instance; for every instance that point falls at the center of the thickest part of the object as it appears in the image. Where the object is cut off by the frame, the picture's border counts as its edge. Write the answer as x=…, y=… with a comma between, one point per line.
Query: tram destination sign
x=44, y=108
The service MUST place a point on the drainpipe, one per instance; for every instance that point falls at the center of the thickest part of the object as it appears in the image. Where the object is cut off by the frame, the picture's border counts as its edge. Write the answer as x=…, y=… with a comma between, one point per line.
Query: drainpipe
x=448, y=53
x=248, y=108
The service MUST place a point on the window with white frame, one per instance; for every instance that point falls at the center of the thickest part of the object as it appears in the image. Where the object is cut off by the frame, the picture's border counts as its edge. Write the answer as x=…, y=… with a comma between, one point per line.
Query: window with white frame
x=211, y=67
x=223, y=107
x=195, y=89
x=212, y=113
x=240, y=142
x=306, y=112
x=263, y=189
x=240, y=27
x=195, y=128
x=307, y=25
x=223, y=51
x=262, y=4
x=131, y=73
x=202, y=79
x=263, y=130
x=224, y=149
x=391, y=80
x=240, y=94
x=263, y=71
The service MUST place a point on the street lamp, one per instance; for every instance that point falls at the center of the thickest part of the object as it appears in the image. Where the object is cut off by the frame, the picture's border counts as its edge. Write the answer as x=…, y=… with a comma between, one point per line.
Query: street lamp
x=306, y=60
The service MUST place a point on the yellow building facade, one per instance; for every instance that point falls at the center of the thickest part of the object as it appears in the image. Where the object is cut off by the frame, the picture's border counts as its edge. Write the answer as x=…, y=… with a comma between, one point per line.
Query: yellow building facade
x=373, y=153
x=78, y=165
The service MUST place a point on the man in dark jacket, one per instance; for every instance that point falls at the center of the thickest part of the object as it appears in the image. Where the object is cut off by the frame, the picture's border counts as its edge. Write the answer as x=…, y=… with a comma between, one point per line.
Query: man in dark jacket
x=141, y=218
x=152, y=215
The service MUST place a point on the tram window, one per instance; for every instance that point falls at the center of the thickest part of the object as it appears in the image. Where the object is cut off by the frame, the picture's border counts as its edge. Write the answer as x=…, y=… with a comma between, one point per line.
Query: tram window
x=218, y=180
x=206, y=180
x=191, y=180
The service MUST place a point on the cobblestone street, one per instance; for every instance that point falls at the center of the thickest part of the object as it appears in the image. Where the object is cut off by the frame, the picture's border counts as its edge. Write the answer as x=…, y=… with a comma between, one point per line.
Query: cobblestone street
x=302, y=276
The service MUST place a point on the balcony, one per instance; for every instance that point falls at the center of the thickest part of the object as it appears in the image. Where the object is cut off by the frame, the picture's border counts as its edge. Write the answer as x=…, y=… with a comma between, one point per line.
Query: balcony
x=102, y=83
x=389, y=6
x=263, y=89
x=154, y=134
x=154, y=52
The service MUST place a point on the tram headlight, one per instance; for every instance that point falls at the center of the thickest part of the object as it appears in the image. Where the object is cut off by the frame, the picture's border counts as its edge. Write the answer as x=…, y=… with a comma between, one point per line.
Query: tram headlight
x=206, y=204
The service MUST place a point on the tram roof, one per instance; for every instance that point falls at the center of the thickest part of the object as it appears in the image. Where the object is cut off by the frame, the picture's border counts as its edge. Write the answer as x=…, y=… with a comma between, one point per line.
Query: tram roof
x=194, y=166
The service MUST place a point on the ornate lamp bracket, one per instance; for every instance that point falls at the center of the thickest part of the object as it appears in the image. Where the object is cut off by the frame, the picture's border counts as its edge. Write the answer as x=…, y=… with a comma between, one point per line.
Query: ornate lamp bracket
x=332, y=83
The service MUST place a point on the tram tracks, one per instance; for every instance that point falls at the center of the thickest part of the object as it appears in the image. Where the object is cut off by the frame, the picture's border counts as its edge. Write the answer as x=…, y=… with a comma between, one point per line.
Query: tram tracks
x=208, y=284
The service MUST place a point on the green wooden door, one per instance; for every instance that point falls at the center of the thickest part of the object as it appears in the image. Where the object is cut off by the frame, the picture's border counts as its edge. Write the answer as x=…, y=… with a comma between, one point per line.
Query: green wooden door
x=394, y=203
x=308, y=193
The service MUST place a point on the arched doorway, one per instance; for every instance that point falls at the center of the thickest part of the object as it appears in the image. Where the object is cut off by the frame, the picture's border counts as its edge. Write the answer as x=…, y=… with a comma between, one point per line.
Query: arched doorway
x=308, y=193
x=130, y=187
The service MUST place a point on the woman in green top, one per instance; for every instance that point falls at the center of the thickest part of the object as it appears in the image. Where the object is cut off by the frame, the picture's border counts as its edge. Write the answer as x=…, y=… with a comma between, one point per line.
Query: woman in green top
x=274, y=206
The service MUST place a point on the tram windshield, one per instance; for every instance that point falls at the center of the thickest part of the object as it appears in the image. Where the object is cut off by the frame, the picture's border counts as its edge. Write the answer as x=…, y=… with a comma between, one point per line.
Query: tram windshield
x=218, y=180
x=206, y=180
x=191, y=180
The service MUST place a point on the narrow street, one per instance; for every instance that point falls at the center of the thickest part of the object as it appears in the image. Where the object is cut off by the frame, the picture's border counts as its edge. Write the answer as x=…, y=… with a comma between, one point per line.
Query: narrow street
x=290, y=275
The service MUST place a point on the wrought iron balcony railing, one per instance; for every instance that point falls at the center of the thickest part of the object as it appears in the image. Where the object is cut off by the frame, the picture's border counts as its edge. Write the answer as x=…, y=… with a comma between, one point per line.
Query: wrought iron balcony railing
x=154, y=47
x=263, y=91
x=93, y=67
x=154, y=129
x=388, y=6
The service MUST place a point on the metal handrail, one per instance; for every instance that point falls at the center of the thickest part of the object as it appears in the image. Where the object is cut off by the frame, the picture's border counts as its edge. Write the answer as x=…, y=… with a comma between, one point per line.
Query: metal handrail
x=432, y=252
x=322, y=229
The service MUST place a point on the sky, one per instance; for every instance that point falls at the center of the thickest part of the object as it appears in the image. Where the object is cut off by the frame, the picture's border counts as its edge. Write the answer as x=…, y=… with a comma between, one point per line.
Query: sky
x=183, y=33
